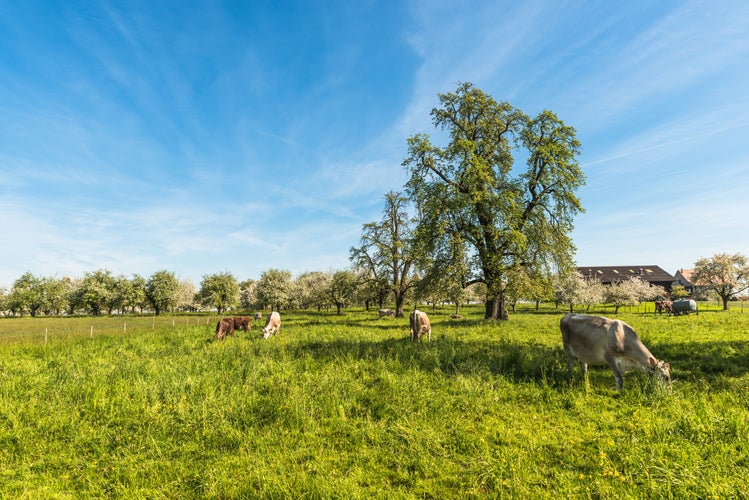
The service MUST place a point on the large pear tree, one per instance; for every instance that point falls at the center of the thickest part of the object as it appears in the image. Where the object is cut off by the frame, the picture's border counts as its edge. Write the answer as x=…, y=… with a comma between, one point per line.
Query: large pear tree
x=510, y=217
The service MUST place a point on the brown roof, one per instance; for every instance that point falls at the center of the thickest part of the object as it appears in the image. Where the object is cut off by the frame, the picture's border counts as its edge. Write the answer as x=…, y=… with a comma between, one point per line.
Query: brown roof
x=610, y=274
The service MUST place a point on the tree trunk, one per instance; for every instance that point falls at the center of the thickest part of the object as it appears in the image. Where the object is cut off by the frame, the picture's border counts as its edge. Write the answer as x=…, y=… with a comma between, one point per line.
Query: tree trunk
x=496, y=308
x=399, y=299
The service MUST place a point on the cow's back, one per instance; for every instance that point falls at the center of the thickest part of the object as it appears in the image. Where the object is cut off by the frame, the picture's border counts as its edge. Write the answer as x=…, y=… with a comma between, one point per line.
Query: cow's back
x=588, y=338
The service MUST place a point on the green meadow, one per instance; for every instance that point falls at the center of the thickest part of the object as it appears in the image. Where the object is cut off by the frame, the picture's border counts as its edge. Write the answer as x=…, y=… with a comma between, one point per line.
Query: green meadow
x=347, y=407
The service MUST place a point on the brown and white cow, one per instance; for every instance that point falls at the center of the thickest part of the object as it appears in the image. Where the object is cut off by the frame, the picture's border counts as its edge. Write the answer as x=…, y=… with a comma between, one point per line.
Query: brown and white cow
x=272, y=325
x=242, y=323
x=224, y=327
x=664, y=305
x=419, y=322
x=597, y=340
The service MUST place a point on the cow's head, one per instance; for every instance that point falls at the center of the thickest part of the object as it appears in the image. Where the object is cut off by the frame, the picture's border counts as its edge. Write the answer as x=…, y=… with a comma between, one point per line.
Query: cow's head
x=660, y=369
x=267, y=332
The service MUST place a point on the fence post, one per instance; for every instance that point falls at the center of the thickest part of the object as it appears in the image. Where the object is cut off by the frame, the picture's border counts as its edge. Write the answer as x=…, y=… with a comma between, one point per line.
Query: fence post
x=124, y=327
x=91, y=333
x=45, y=335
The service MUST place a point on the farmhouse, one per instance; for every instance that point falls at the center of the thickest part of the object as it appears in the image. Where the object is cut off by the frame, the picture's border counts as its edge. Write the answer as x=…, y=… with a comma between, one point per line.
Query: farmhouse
x=684, y=278
x=612, y=274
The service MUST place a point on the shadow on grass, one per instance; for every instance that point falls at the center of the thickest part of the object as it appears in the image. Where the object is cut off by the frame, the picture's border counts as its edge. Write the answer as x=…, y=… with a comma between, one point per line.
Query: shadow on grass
x=706, y=360
x=518, y=362
x=523, y=362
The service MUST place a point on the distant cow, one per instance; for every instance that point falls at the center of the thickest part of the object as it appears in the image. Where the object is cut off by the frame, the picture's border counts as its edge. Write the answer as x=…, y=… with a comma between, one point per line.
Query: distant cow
x=597, y=340
x=258, y=316
x=242, y=323
x=272, y=325
x=224, y=327
x=664, y=305
x=420, y=325
x=456, y=316
x=386, y=312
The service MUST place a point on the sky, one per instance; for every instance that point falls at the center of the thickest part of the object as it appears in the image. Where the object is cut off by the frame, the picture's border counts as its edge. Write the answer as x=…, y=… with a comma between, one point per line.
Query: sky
x=206, y=136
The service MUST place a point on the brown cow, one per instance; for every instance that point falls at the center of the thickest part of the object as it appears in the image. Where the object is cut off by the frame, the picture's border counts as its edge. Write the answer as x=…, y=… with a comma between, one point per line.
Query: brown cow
x=224, y=327
x=272, y=325
x=242, y=323
x=664, y=305
x=419, y=323
x=597, y=340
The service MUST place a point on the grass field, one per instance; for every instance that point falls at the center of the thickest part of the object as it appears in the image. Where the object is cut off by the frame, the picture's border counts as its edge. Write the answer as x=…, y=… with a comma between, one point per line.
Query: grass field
x=347, y=407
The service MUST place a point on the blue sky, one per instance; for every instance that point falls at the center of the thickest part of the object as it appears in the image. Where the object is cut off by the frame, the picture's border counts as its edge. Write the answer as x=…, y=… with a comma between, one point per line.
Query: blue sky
x=203, y=137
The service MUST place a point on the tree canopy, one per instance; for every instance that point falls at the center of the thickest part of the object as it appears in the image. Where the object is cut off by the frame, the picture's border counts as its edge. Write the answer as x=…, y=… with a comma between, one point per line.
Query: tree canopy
x=511, y=219
x=220, y=291
x=726, y=274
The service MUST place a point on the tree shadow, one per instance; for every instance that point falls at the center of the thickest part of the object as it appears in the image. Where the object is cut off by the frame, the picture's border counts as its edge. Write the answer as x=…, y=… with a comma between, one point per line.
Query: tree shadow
x=518, y=362
x=706, y=360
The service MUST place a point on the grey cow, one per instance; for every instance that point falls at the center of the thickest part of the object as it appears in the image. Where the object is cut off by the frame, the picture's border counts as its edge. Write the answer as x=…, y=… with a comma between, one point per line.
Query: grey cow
x=419, y=323
x=597, y=340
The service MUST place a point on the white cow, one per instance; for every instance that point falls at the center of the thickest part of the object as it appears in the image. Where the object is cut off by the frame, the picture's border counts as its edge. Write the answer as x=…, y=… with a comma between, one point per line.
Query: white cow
x=386, y=312
x=597, y=340
x=272, y=325
x=419, y=322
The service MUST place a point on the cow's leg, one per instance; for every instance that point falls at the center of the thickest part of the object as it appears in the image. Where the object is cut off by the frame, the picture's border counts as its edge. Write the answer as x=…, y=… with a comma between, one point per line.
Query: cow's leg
x=611, y=361
x=570, y=362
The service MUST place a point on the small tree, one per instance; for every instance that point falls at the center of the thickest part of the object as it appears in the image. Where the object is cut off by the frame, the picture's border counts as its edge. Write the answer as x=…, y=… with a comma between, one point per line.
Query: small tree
x=568, y=286
x=95, y=292
x=162, y=291
x=631, y=292
x=342, y=289
x=247, y=296
x=678, y=292
x=727, y=275
x=139, y=298
x=311, y=289
x=56, y=294
x=188, y=296
x=274, y=288
x=387, y=249
x=27, y=294
x=219, y=290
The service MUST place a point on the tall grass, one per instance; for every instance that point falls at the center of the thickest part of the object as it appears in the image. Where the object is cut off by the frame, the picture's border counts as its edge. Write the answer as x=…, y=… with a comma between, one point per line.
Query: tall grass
x=348, y=407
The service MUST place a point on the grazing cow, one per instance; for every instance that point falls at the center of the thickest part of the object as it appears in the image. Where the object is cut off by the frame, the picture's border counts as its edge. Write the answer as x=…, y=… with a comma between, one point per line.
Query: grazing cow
x=597, y=340
x=224, y=327
x=242, y=323
x=272, y=325
x=386, y=312
x=456, y=316
x=258, y=316
x=664, y=305
x=419, y=323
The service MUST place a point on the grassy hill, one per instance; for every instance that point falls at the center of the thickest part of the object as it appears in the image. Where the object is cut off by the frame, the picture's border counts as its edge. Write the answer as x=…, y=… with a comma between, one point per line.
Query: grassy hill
x=348, y=407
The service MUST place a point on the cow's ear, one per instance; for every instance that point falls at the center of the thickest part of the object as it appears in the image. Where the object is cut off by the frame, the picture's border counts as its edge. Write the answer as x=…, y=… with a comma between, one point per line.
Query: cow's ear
x=652, y=362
